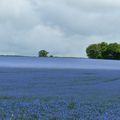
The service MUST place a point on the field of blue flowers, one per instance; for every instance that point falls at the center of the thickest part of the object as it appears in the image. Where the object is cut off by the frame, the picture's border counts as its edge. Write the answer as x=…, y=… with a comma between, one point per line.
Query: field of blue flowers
x=59, y=94
x=26, y=108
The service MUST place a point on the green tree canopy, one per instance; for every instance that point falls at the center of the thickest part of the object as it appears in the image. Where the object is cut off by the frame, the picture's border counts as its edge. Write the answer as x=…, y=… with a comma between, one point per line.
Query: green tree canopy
x=93, y=51
x=43, y=53
x=104, y=51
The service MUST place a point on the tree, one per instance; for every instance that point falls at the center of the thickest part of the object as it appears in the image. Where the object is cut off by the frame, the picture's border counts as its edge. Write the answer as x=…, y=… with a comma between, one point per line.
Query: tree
x=113, y=51
x=93, y=51
x=104, y=51
x=51, y=56
x=43, y=53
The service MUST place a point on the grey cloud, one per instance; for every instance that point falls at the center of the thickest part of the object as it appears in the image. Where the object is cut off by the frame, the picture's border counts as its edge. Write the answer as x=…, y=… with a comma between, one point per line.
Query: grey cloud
x=63, y=27
x=74, y=20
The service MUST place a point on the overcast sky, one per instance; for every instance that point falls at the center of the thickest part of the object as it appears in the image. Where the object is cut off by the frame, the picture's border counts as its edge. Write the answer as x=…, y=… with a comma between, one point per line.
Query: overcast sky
x=63, y=27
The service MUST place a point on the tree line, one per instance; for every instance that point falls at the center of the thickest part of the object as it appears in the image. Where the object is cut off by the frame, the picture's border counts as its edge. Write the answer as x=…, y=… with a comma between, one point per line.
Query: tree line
x=104, y=51
x=101, y=50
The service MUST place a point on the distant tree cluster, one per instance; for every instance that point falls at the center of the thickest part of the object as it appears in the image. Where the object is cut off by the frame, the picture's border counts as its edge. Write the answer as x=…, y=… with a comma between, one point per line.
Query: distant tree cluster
x=44, y=53
x=104, y=51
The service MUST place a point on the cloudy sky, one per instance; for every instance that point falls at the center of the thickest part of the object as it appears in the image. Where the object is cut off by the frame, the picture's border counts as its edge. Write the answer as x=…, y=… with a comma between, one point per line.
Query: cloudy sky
x=63, y=27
